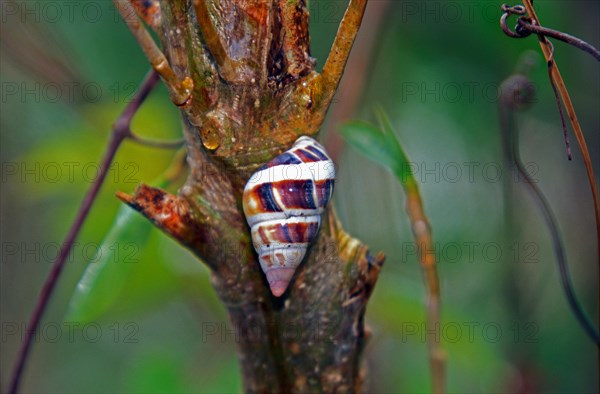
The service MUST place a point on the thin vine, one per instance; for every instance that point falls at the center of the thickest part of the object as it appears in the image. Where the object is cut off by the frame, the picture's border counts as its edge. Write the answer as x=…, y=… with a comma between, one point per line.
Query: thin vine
x=515, y=92
x=121, y=132
x=529, y=20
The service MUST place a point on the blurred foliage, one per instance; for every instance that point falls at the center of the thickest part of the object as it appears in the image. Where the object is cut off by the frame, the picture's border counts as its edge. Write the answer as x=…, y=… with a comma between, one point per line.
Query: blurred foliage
x=437, y=68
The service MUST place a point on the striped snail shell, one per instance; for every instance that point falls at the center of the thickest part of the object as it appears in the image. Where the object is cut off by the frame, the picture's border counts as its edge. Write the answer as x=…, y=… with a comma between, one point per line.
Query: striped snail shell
x=283, y=202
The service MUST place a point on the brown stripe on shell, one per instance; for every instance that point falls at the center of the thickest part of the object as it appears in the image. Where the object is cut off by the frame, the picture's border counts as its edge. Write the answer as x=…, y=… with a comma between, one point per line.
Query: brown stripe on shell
x=295, y=194
x=306, y=156
x=262, y=232
x=288, y=232
x=323, y=193
x=266, y=259
x=255, y=203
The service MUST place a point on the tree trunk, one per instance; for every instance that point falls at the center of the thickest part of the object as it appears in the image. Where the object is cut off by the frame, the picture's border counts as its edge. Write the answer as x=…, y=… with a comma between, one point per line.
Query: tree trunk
x=255, y=91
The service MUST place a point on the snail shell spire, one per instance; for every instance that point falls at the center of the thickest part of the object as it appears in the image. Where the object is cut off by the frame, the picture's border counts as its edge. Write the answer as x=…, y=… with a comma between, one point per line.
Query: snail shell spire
x=283, y=202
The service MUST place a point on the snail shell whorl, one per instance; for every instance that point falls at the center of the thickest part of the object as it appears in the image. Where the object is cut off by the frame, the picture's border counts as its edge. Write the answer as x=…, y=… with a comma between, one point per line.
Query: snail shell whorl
x=283, y=202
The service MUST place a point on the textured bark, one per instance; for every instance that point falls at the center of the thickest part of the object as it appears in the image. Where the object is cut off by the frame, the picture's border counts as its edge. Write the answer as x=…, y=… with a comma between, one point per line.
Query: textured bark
x=255, y=92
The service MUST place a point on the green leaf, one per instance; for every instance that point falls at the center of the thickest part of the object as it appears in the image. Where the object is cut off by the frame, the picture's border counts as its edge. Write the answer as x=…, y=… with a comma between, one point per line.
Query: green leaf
x=381, y=146
x=105, y=276
x=370, y=141
x=126, y=273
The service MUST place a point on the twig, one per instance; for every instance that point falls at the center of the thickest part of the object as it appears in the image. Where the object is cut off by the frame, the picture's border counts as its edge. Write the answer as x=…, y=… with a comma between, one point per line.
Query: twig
x=526, y=26
x=180, y=91
x=342, y=44
x=564, y=94
x=120, y=132
x=559, y=35
x=353, y=84
x=510, y=90
x=422, y=234
x=558, y=104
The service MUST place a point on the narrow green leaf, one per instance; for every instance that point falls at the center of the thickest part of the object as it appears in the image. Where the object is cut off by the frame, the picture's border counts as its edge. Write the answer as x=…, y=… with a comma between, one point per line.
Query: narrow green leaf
x=381, y=146
x=113, y=277
x=105, y=276
x=370, y=141
x=403, y=171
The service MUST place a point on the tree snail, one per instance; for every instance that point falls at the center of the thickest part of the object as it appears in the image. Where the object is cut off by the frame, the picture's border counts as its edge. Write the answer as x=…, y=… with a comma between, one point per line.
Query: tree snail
x=283, y=202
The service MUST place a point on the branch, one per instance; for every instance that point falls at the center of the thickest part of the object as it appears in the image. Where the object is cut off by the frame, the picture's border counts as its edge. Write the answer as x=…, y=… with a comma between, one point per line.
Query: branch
x=170, y=213
x=180, y=91
x=352, y=87
x=422, y=234
x=228, y=68
x=340, y=50
x=120, y=132
x=421, y=230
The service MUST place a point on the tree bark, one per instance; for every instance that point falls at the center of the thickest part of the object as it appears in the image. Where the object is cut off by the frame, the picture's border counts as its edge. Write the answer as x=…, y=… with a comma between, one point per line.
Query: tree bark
x=255, y=91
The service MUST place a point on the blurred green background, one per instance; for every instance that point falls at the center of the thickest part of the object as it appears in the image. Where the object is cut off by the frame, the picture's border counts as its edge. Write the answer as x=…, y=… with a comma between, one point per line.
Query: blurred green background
x=68, y=68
